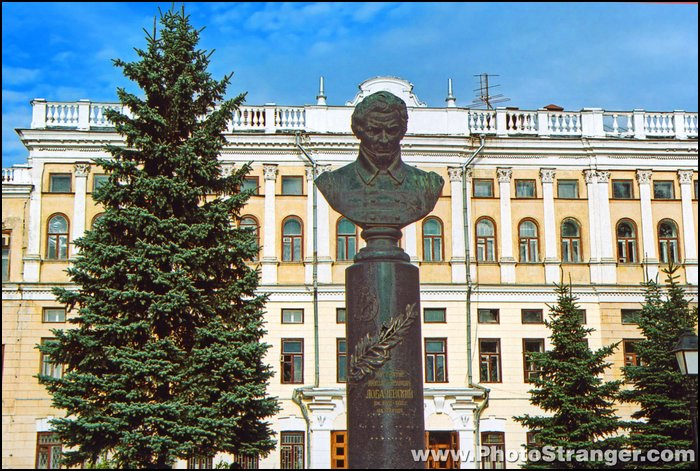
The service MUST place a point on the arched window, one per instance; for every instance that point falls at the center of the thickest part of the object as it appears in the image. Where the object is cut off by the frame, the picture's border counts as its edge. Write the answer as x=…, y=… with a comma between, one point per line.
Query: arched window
x=346, y=246
x=250, y=223
x=432, y=240
x=668, y=241
x=292, y=239
x=57, y=238
x=485, y=240
x=529, y=242
x=626, y=241
x=570, y=241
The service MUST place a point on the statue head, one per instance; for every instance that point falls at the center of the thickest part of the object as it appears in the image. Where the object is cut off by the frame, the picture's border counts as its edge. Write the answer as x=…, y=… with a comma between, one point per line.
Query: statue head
x=380, y=122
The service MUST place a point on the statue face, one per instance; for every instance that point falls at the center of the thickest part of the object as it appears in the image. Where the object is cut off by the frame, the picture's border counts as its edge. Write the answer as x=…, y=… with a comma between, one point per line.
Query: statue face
x=381, y=137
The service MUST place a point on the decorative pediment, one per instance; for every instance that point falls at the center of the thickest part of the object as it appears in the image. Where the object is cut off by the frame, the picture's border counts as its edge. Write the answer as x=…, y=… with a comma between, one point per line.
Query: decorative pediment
x=399, y=87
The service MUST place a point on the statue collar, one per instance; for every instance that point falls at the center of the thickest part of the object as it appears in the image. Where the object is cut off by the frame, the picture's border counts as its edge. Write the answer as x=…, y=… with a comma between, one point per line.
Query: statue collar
x=368, y=171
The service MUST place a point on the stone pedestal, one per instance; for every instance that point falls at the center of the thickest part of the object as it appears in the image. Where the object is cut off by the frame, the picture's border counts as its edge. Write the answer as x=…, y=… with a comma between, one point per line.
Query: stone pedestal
x=385, y=380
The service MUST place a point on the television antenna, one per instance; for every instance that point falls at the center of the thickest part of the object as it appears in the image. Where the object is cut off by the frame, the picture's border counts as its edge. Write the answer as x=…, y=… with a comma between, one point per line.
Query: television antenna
x=484, y=97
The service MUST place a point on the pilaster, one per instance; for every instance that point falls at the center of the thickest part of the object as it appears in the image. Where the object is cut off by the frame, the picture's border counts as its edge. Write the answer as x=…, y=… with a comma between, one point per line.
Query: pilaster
x=269, y=260
x=81, y=171
x=685, y=179
x=459, y=271
x=507, y=261
x=650, y=258
x=551, y=260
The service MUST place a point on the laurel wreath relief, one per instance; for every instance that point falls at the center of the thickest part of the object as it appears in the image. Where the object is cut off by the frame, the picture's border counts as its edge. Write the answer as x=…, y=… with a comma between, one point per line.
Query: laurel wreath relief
x=372, y=352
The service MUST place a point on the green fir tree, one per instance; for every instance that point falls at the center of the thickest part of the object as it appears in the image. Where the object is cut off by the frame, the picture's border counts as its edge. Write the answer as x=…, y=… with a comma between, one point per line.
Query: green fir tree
x=166, y=359
x=660, y=390
x=579, y=404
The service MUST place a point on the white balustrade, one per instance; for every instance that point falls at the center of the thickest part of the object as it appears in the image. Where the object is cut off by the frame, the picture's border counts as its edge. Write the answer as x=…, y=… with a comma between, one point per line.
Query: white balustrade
x=659, y=124
x=562, y=123
x=17, y=176
x=84, y=115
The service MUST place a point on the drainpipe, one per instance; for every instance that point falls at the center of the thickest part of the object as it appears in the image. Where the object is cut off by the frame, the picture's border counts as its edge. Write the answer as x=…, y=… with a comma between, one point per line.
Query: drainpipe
x=314, y=166
x=467, y=255
x=296, y=398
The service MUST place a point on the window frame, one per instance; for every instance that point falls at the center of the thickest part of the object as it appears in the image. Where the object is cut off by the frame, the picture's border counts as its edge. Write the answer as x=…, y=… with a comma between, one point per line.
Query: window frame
x=44, y=368
x=292, y=178
x=664, y=254
x=49, y=445
x=479, y=239
x=432, y=239
x=627, y=354
x=622, y=181
x=61, y=174
x=489, y=463
x=528, y=369
x=578, y=194
x=294, y=237
x=95, y=179
x=528, y=240
x=435, y=356
x=252, y=178
x=498, y=315
x=6, y=254
x=343, y=239
x=441, y=309
x=526, y=180
x=522, y=316
x=293, y=447
x=490, y=355
x=571, y=240
x=57, y=237
x=665, y=182
x=256, y=231
x=337, y=315
x=292, y=355
x=45, y=309
x=288, y=310
x=626, y=241
x=628, y=311
x=338, y=356
x=482, y=180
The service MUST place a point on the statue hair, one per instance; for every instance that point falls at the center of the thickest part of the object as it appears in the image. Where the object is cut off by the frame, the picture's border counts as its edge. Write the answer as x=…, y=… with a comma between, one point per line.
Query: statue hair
x=382, y=102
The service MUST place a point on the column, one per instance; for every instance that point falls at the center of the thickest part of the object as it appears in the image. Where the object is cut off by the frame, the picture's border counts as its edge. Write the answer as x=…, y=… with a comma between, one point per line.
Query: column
x=411, y=245
x=269, y=261
x=608, y=264
x=507, y=261
x=649, y=256
x=82, y=169
x=591, y=177
x=551, y=261
x=459, y=269
x=32, y=256
x=685, y=178
x=470, y=228
x=322, y=228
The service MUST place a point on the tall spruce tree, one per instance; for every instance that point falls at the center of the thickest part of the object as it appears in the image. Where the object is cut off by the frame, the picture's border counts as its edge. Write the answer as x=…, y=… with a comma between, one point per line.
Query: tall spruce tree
x=570, y=389
x=166, y=361
x=660, y=390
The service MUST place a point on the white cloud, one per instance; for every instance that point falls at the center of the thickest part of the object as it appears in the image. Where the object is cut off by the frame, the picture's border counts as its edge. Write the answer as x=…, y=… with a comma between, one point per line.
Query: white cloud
x=19, y=75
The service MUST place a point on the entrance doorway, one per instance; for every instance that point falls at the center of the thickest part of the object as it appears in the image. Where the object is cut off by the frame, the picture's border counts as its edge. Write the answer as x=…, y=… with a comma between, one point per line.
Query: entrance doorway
x=442, y=443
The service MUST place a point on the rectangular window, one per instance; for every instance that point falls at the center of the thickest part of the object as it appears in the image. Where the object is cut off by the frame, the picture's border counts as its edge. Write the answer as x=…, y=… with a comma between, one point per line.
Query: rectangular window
x=292, y=361
x=98, y=180
x=496, y=443
x=531, y=316
x=6, y=255
x=631, y=316
x=251, y=183
x=341, y=361
x=434, y=315
x=663, y=190
x=567, y=189
x=59, y=183
x=292, y=450
x=525, y=188
x=622, y=189
x=630, y=349
x=490, y=360
x=435, y=360
x=48, y=450
x=54, y=314
x=339, y=447
x=292, y=186
x=340, y=315
x=200, y=462
x=53, y=370
x=247, y=461
x=483, y=188
x=530, y=368
x=695, y=187
x=488, y=316
x=292, y=316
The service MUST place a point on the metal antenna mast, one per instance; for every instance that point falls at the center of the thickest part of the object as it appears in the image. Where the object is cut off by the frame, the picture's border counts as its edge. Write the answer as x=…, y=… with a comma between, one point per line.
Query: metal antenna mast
x=484, y=97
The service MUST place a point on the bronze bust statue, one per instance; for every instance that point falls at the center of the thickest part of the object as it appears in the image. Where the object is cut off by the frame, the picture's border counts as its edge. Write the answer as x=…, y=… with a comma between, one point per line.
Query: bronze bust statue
x=378, y=189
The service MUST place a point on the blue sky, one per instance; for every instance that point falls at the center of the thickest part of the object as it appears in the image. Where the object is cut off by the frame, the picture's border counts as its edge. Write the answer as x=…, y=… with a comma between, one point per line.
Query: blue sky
x=618, y=56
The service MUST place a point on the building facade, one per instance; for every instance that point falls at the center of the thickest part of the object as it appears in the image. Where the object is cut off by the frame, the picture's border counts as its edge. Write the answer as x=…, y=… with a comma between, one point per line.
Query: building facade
x=601, y=199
